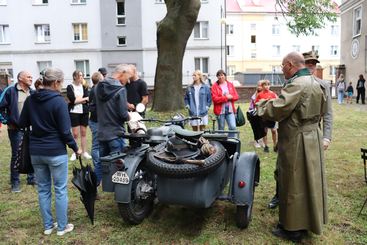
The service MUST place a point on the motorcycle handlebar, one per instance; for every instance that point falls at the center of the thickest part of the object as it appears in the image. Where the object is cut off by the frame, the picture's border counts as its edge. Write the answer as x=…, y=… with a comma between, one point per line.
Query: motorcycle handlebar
x=171, y=120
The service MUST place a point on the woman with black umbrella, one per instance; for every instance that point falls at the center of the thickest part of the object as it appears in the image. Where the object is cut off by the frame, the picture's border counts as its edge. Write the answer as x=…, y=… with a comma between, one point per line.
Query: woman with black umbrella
x=47, y=113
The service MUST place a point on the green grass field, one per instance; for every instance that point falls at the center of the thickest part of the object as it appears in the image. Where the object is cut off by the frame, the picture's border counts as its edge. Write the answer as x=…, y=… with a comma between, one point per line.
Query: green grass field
x=20, y=220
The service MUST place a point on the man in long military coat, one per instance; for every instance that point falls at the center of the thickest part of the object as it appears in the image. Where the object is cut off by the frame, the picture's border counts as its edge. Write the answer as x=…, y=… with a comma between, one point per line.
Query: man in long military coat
x=302, y=185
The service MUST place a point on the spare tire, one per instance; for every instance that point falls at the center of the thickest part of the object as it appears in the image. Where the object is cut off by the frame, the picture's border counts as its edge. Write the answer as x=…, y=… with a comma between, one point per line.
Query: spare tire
x=185, y=170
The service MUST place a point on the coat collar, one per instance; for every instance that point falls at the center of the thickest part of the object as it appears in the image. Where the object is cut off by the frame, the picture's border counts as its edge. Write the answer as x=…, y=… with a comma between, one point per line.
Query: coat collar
x=300, y=73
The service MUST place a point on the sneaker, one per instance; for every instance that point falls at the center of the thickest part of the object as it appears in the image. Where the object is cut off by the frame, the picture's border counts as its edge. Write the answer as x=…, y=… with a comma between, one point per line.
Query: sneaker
x=73, y=157
x=68, y=228
x=257, y=145
x=15, y=188
x=86, y=155
x=32, y=182
x=266, y=148
x=49, y=231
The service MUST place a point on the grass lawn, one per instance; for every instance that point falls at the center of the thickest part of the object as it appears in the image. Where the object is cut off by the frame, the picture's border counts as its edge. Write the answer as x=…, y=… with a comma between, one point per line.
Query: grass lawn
x=20, y=220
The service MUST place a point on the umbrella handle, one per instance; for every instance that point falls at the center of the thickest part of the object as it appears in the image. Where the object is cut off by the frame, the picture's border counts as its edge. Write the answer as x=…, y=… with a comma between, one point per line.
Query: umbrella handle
x=80, y=161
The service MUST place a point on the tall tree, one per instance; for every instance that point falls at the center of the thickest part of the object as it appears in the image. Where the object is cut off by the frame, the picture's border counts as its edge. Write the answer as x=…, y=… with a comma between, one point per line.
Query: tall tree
x=172, y=35
x=306, y=16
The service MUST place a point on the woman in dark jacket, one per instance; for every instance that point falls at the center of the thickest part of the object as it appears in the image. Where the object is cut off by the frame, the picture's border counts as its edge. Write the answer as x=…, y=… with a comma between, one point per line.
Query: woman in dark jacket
x=77, y=93
x=361, y=89
x=47, y=113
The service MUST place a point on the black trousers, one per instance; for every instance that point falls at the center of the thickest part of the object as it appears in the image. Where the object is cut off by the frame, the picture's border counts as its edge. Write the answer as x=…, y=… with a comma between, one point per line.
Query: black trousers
x=361, y=94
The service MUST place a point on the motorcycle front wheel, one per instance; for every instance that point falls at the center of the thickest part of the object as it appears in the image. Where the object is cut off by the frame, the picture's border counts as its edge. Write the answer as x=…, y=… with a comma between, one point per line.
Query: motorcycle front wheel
x=141, y=203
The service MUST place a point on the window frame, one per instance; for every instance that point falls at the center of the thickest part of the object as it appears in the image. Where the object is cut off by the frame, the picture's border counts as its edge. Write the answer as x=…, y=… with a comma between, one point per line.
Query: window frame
x=39, y=2
x=121, y=45
x=120, y=16
x=43, y=33
x=86, y=67
x=334, y=50
x=355, y=34
x=201, y=64
x=334, y=30
x=81, y=40
x=229, y=29
x=5, y=34
x=230, y=50
x=78, y=2
x=201, y=30
x=275, y=29
x=278, y=50
x=43, y=64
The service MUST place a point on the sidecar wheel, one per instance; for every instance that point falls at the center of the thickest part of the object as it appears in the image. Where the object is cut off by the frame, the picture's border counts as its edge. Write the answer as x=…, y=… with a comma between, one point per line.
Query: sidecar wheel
x=174, y=170
x=243, y=216
x=139, y=208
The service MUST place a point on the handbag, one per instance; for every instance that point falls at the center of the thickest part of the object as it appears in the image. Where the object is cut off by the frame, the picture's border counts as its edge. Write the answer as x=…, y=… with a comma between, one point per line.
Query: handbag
x=240, y=118
x=23, y=163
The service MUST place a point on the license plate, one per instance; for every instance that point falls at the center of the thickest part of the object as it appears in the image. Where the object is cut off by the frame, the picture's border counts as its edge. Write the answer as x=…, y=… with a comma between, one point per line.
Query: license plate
x=120, y=177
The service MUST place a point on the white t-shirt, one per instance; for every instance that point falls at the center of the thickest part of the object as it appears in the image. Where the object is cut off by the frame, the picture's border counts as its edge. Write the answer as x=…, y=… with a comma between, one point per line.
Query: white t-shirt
x=78, y=92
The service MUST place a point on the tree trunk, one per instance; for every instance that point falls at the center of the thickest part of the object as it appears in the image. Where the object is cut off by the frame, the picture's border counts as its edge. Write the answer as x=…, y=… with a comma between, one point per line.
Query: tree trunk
x=172, y=35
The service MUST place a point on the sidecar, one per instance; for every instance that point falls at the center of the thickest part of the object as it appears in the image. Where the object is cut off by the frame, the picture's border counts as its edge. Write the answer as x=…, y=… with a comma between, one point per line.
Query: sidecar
x=138, y=177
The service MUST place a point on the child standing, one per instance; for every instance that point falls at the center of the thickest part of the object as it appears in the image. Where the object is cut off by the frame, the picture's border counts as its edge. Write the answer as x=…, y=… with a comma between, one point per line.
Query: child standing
x=349, y=93
x=267, y=94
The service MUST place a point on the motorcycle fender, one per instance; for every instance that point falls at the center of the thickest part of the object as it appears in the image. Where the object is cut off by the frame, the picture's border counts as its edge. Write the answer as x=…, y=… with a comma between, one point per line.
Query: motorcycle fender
x=123, y=192
x=247, y=169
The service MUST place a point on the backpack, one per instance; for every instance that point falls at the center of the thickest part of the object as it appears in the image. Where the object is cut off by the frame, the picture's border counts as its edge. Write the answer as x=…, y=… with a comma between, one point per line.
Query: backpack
x=4, y=111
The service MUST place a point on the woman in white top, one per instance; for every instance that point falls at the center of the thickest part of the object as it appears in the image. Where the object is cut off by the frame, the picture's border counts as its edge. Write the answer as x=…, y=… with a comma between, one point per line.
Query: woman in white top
x=77, y=93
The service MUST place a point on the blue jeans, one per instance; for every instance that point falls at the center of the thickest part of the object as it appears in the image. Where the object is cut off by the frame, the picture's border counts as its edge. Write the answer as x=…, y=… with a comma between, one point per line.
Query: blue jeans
x=231, y=121
x=95, y=151
x=15, y=136
x=340, y=96
x=107, y=147
x=48, y=169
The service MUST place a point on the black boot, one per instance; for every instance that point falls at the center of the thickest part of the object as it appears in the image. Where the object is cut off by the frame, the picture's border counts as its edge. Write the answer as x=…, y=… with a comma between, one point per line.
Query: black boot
x=294, y=236
x=275, y=200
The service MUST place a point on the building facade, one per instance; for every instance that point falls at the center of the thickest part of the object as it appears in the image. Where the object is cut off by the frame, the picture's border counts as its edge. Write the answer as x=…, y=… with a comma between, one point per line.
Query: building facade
x=354, y=39
x=88, y=34
x=257, y=39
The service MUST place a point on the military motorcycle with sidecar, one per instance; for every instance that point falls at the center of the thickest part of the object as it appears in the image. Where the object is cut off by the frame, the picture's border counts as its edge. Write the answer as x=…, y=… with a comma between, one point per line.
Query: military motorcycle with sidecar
x=167, y=164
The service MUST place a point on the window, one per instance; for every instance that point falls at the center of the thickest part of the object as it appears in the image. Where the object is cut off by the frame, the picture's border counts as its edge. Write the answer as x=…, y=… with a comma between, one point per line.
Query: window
x=78, y=1
x=7, y=68
x=202, y=64
x=120, y=12
x=3, y=2
x=334, y=30
x=231, y=70
x=201, y=29
x=204, y=1
x=4, y=34
x=275, y=30
x=229, y=29
x=253, y=27
x=253, y=38
x=315, y=48
x=83, y=66
x=253, y=54
x=334, y=50
x=159, y=1
x=296, y=48
x=332, y=70
x=357, y=21
x=276, y=50
x=80, y=32
x=40, y=2
x=230, y=50
x=121, y=41
x=42, y=33
x=43, y=65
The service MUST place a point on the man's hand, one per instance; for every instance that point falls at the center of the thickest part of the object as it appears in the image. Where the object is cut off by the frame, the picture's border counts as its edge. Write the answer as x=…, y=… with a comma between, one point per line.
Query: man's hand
x=326, y=143
x=130, y=107
x=79, y=152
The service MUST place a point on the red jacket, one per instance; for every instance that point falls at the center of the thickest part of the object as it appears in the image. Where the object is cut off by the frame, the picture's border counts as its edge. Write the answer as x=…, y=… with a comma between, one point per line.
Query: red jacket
x=218, y=98
x=265, y=94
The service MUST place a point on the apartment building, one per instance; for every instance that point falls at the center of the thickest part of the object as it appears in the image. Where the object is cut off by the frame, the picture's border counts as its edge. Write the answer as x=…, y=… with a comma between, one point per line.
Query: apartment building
x=257, y=39
x=88, y=34
x=354, y=39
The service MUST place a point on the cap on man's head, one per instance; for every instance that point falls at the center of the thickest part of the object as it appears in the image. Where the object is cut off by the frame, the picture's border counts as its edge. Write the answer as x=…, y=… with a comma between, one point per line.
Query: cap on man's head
x=103, y=71
x=311, y=56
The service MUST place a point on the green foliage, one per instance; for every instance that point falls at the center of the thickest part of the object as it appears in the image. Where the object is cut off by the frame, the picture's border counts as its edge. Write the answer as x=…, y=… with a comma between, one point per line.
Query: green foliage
x=306, y=16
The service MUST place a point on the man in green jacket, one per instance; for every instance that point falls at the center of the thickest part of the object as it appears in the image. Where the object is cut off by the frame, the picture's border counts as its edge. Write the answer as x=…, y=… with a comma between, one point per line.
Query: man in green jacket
x=301, y=178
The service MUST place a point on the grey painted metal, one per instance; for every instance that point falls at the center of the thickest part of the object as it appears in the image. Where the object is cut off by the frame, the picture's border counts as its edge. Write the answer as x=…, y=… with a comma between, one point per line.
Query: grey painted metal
x=198, y=192
x=245, y=170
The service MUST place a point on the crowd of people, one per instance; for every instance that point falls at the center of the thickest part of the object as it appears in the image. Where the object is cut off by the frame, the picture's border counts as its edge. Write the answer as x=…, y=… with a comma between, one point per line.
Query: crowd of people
x=295, y=118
